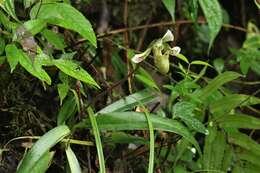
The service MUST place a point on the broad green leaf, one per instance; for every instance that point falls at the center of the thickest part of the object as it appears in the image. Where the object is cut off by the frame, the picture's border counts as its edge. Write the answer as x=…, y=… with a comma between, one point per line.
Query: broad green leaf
x=35, y=26
x=74, y=70
x=244, y=141
x=73, y=161
x=36, y=68
x=94, y=125
x=8, y=6
x=252, y=42
x=228, y=157
x=47, y=141
x=6, y=22
x=129, y=102
x=198, y=62
x=67, y=110
x=208, y=147
x=213, y=14
x=54, y=39
x=143, y=76
x=43, y=164
x=15, y=55
x=12, y=54
x=184, y=111
x=66, y=16
x=249, y=156
x=28, y=3
x=229, y=102
x=182, y=57
x=170, y=6
x=146, y=81
x=63, y=89
x=219, y=145
x=239, y=121
x=219, y=64
x=216, y=83
x=116, y=121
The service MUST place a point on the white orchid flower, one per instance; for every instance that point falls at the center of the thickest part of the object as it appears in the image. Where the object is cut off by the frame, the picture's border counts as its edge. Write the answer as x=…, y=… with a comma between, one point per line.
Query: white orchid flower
x=159, y=46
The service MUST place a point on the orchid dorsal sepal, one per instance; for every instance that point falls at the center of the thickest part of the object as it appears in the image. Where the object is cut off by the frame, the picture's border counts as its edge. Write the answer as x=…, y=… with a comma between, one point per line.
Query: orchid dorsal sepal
x=141, y=56
x=168, y=36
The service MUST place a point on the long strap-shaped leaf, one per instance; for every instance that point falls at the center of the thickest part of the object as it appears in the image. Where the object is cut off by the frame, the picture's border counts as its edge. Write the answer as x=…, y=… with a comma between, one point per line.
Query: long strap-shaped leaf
x=138, y=121
x=151, y=147
x=129, y=102
x=43, y=145
x=73, y=161
x=97, y=139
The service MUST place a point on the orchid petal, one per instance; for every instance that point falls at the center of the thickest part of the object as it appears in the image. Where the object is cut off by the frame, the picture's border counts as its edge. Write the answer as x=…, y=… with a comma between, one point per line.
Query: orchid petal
x=175, y=50
x=141, y=56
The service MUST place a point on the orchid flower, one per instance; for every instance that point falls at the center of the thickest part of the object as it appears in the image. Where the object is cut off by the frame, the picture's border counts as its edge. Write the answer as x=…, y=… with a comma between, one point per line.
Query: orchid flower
x=161, y=52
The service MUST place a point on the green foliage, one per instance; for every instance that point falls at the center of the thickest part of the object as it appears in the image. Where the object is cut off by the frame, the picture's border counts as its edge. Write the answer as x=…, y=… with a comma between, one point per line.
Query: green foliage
x=176, y=113
x=213, y=14
x=39, y=153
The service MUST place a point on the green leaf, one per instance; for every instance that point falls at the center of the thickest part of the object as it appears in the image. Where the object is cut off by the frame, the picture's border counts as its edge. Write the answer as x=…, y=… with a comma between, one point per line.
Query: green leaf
x=74, y=70
x=257, y=4
x=228, y=158
x=213, y=14
x=244, y=141
x=216, y=83
x=219, y=64
x=63, y=89
x=44, y=163
x=2, y=59
x=151, y=145
x=15, y=55
x=193, y=9
x=124, y=138
x=129, y=102
x=239, y=121
x=198, y=62
x=170, y=6
x=12, y=56
x=67, y=110
x=229, y=102
x=214, y=149
x=137, y=121
x=6, y=22
x=8, y=6
x=249, y=156
x=47, y=141
x=182, y=57
x=184, y=111
x=143, y=76
x=35, y=26
x=2, y=45
x=102, y=167
x=28, y=3
x=54, y=39
x=66, y=16
x=73, y=161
